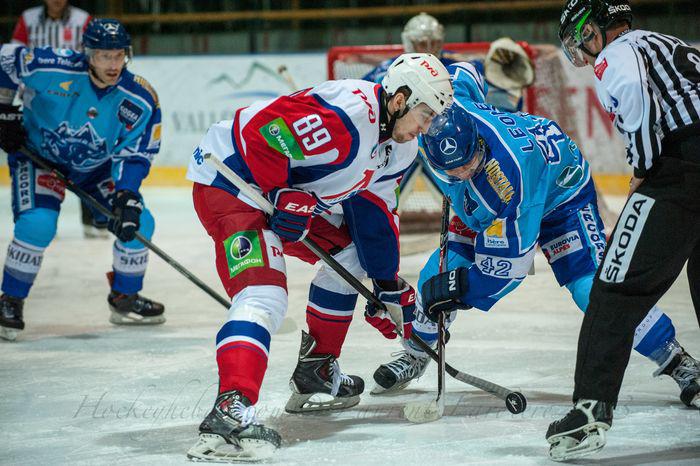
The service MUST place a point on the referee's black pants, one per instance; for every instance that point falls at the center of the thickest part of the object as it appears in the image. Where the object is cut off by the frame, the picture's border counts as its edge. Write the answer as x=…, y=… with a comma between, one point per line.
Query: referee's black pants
x=657, y=232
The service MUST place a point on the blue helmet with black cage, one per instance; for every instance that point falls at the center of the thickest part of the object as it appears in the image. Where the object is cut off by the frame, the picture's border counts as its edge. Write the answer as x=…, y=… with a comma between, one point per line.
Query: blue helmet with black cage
x=453, y=141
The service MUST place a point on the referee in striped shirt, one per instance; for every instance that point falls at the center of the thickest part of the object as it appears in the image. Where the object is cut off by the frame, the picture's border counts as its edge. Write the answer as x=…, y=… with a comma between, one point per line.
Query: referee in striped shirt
x=59, y=25
x=650, y=85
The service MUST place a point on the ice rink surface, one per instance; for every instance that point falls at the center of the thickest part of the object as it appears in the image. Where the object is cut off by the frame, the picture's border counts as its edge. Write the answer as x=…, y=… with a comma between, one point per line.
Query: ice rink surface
x=75, y=389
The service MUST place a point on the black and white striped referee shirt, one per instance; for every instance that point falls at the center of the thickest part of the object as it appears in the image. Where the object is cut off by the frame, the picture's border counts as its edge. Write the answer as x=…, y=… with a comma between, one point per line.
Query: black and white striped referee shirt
x=650, y=85
x=36, y=29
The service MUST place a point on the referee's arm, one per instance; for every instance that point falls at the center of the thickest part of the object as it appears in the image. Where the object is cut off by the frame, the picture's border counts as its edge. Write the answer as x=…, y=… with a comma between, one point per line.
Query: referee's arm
x=637, y=111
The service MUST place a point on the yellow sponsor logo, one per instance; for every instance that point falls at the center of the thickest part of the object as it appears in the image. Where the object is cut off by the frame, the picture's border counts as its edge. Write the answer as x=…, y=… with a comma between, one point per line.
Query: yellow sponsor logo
x=65, y=85
x=495, y=235
x=155, y=132
x=496, y=229
x=498, y=181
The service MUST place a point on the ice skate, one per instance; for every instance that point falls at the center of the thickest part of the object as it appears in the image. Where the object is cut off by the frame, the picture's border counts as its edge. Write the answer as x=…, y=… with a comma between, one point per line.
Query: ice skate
x=230, y=433
x=134, y=309
x=11, y=322
x=581, y=432
x=397, y=374
x=685, y=370
x=318, y=384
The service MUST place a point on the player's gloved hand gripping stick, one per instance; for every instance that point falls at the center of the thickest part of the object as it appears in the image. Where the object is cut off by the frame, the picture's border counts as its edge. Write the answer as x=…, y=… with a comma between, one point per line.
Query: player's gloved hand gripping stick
x=515, y=401
x=88, y=199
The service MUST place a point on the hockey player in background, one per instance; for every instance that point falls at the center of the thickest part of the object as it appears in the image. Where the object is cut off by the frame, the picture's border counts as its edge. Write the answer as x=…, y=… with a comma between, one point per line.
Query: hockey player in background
x=515, y=182
x=329, y=159
x=650, y=84
x=59, y=25
x=507, y=68
x=89, y=117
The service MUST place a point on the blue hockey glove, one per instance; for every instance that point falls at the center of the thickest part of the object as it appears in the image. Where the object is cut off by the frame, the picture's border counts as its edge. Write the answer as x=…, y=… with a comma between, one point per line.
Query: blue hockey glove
x=294, y=208
x=403, y=296
x=127, y=208
x=442, y=292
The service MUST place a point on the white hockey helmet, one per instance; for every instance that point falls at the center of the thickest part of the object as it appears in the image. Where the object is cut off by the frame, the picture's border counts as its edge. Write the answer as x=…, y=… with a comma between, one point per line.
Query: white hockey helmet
x=421, y=27
x=425, y=76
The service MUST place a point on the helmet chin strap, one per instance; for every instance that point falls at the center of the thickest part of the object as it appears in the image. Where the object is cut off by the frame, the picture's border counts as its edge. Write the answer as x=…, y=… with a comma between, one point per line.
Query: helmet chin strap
x=387, y=121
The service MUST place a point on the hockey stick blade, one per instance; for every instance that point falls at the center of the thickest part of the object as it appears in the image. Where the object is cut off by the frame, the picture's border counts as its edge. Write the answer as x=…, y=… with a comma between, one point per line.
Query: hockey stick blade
x=420, y=412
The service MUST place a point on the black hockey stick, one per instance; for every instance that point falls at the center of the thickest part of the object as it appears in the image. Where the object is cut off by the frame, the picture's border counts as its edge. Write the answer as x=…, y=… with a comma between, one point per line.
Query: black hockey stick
x=434, y=409
x=515, y=401
x=88, y=199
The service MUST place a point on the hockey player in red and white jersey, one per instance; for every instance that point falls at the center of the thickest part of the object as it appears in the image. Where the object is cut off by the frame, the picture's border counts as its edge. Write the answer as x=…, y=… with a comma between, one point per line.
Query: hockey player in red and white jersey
x=329, y=159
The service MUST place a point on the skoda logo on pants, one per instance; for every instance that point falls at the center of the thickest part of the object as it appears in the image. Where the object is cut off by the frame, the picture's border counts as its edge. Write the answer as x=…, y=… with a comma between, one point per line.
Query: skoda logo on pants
x=240, y=247
x=448, y=146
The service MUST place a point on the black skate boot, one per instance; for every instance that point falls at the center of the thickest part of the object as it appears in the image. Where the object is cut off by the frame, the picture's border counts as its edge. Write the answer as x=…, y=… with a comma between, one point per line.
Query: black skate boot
x=318, y=384
x=397, y=374
x=230, y=433
x=685, y=370
x=581, y=432
x=11, y=322
x=133, y=309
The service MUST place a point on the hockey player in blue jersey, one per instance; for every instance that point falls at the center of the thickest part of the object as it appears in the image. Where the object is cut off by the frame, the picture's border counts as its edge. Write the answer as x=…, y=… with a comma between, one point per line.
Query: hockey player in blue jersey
x=515, y=182
x=89, y=117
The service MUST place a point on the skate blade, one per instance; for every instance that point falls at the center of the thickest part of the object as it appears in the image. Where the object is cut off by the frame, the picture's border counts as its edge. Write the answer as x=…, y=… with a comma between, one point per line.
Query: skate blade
x=213, y=448
x=379, y=390
x=133, y=318
x=695, y=402
x=9, y=334
x=313, y=402
x=566, y=448
x=419, y=412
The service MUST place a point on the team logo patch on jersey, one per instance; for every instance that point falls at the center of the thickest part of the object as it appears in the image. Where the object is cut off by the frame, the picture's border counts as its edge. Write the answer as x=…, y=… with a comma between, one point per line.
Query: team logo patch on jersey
x=129, y=113
x=280, y=138
x=600, y=68
x=82, y=149
x=498, y=181
x=569, y=177
x=495, y=235
x=243, y=251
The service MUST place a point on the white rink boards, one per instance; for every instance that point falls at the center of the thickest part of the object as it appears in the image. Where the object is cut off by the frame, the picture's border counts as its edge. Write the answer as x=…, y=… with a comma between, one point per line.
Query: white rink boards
x=75, y=389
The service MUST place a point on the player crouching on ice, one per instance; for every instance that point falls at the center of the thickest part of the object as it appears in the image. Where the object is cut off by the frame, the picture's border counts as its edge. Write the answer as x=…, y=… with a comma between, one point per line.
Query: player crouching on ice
x=329, y=159
x=514, y=181
x=88, y=116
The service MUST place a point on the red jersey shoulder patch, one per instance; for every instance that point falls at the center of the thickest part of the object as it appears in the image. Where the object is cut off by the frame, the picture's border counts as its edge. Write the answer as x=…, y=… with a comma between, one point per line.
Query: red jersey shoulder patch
x=600, y=68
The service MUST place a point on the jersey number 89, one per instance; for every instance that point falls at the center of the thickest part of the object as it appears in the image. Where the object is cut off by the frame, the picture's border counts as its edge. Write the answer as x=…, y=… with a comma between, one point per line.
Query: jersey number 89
x=311, y=124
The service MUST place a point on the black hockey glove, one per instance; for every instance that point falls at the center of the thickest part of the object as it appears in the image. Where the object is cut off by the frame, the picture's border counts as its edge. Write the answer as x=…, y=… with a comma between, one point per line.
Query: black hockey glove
x=12, y=135
x=127, y=208
x=442, y=292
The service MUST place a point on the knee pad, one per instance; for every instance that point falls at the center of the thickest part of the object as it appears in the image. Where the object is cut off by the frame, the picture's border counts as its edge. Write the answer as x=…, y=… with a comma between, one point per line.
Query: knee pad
x=148, y=225
x=37, y=226
x=328, y=279
x=265, y=305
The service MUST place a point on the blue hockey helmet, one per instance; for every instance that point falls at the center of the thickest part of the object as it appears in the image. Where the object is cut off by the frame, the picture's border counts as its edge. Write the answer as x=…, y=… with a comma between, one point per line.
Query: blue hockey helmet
x=453, y=141
x=106, y=34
